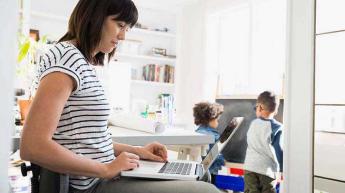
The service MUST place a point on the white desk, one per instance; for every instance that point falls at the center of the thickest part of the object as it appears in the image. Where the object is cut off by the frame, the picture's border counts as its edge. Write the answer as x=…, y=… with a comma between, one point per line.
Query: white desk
x=189, y=142
x=171, y=136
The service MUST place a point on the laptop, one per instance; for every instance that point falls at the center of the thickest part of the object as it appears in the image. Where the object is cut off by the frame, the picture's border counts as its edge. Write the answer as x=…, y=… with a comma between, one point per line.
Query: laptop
x=184, y=169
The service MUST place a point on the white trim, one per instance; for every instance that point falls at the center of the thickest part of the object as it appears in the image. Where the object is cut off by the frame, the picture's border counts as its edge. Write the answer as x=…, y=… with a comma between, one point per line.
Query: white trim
x=152, y=83
x=145, y=57
x=329, y=185
x=151, y=32
x=299, y=100
x=249, y=96
x=49, y=16
x=8, y=34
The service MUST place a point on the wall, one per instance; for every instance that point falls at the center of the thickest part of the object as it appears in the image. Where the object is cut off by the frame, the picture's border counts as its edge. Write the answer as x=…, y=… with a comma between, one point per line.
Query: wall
x=191, y=61
x=298, y=111
x=9, y=25
x=196, y=74
x=329, y=137
x=51, y=17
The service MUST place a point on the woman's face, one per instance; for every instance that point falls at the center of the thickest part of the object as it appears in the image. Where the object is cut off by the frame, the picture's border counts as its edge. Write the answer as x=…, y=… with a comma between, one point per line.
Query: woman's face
x=112, y=32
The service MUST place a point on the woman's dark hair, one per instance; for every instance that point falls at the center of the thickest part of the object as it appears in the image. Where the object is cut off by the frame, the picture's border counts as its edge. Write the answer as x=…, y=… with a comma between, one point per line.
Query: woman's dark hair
x=205, y=112
x=269, y=100
x=86, y=22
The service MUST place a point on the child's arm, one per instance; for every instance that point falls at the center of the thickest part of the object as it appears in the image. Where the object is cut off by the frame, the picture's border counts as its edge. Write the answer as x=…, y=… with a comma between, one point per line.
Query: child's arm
x=277, y=143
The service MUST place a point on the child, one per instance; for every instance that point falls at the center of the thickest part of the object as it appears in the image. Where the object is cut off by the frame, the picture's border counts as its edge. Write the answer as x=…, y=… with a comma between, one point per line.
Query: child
x=206, y=117
x=264, y=155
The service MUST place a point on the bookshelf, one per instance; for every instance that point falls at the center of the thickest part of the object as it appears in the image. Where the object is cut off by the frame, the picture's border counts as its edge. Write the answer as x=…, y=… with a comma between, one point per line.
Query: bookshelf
x=54, y=22
x=63, y=18
x=137, y=53
x=152, y=83
x=125, y=56
x=153, y=33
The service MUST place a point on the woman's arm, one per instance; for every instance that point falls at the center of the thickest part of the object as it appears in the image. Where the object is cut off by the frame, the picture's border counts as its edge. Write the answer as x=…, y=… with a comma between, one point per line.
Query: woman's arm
x=120, y=147
x=152, y=151
x=37, y=145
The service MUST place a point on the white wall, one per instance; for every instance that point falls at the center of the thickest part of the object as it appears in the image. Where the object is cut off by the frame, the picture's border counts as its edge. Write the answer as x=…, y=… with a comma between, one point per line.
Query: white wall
x=9, y=27
x=298, y=112
x=51, y=17
x=196, y=73
x=191, y=61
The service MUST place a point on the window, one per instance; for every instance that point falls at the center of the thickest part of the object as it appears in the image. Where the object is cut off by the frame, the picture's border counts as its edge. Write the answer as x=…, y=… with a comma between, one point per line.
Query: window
x=250, y=40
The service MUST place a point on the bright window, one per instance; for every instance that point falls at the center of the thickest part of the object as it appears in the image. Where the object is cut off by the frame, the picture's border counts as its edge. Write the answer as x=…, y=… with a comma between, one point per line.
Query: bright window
x=250, y=47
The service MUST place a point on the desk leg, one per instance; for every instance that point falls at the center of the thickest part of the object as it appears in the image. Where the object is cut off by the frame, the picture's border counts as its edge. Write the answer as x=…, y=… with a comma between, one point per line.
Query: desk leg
x=204, y=149
x=190, y=152
x=195, y=153
x=183, y=153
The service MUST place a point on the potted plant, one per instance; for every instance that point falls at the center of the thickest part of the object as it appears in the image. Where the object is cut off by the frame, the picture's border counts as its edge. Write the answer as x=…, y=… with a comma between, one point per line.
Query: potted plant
x=29, y=50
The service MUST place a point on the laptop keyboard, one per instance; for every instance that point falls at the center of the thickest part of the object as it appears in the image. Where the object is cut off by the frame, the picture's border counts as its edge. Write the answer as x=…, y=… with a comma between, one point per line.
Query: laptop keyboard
x=176, y=168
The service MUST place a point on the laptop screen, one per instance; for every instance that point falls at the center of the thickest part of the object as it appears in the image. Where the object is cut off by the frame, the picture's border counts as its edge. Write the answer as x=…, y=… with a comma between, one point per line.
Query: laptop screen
x=219, y=145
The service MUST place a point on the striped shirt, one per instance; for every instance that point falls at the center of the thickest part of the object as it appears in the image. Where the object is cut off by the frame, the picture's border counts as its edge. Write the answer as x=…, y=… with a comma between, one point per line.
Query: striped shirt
x=82, y=127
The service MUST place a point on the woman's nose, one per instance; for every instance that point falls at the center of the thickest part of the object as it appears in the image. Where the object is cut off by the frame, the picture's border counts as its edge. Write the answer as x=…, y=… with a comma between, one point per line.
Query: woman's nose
x=121, y=35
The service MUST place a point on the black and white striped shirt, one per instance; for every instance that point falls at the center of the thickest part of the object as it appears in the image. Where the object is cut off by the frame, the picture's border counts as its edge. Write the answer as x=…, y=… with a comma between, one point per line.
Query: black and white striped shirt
x=82, y=127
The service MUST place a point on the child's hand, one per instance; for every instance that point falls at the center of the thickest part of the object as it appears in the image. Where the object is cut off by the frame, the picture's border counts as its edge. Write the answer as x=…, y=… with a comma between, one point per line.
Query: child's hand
x=233, y=123
x=279, y=177
x=228, y=130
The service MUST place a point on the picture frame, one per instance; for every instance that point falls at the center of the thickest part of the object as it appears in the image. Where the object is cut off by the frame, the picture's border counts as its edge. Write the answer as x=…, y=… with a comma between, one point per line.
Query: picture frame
x=159, y=51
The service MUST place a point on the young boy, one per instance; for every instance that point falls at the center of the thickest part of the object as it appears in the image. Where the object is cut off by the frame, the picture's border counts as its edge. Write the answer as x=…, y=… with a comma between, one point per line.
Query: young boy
x=206, y=116
x=264, y=155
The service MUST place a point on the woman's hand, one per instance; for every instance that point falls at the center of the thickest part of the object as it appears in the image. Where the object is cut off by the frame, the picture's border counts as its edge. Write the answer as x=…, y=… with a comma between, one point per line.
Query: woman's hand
x=153, y=151
x=125, y=161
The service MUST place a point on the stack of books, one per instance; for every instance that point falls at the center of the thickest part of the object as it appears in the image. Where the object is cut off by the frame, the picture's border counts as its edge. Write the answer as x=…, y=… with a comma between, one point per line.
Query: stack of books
x=159, y=73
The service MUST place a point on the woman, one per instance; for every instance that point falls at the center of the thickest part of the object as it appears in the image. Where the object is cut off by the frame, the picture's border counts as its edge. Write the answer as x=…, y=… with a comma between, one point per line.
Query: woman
x=66, y=128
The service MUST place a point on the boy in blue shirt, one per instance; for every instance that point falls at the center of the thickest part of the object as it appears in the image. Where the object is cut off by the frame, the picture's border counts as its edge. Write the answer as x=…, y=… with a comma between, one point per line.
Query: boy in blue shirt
x=206, y=116
x=264, y=156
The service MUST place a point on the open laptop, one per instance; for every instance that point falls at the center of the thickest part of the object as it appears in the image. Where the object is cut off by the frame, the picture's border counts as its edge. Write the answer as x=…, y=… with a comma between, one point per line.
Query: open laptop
x=184, y=169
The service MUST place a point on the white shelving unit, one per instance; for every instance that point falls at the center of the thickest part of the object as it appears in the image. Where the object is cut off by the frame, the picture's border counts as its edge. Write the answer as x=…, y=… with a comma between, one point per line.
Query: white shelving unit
x=154, y=33
x=152, y=83
x=54, y=22
x=125, y=56
x=144, y=40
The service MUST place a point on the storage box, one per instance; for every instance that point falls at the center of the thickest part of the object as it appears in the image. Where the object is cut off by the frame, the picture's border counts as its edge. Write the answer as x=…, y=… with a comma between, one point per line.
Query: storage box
x=235, y=183
x=230, y=182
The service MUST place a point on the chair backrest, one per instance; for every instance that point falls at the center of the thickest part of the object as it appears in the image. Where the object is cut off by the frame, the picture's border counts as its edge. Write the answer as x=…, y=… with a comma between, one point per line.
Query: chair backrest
x=35, y=169
x=44, y=180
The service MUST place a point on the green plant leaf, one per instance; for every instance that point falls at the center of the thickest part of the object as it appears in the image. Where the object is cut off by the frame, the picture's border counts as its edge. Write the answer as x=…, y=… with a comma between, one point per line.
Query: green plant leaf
x=24, y=49
x=44, y=39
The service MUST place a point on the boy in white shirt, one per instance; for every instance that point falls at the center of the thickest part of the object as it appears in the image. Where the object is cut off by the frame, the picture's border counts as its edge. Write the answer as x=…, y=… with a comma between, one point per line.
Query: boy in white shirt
x=264, y=155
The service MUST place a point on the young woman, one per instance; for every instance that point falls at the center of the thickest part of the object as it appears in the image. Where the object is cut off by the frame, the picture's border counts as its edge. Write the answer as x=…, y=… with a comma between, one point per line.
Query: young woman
x=66, y=128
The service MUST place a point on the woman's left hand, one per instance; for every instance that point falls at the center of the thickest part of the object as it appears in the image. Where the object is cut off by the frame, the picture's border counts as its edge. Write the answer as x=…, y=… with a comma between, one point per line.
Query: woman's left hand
x=153, y=151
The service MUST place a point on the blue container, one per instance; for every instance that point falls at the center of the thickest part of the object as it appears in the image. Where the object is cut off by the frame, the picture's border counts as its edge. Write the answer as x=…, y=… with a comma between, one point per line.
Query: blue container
x=234, y=183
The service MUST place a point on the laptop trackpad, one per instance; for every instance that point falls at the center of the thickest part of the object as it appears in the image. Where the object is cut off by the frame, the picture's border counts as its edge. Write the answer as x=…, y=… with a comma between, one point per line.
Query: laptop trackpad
x=148, y=166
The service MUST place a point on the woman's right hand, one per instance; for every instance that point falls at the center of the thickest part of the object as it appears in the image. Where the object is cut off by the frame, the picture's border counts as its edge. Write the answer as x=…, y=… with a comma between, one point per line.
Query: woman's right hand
x=125, y=161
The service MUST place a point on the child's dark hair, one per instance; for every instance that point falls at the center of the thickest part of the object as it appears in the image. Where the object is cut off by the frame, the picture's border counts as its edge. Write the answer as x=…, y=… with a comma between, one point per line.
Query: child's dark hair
x=205, y=112
x=269, y=100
